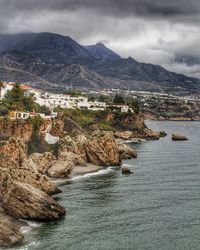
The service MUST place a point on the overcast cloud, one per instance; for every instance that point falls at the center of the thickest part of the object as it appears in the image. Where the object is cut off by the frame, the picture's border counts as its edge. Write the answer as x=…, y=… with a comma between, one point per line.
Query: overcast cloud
x=165, y=32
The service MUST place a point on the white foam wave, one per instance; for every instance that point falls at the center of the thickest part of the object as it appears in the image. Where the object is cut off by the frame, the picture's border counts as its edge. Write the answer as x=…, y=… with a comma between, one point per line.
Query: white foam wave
x=30, y=225
x=126, y=165
x=33, y=243
x=100, y=172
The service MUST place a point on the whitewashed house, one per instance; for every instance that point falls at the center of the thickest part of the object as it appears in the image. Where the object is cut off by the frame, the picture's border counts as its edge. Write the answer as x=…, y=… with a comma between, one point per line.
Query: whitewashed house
x=6, y=87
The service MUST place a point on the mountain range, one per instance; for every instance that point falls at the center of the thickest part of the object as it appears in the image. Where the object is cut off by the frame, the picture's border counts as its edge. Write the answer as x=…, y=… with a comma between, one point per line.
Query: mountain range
x=55, y=62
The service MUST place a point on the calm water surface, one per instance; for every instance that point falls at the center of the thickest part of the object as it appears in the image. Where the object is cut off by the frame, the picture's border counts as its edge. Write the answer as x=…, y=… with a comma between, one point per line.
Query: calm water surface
x=156, y=208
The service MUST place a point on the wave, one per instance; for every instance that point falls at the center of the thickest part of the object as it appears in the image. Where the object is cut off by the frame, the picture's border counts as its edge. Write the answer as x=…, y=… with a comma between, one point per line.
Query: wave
x=30, y=225
x=100, y=172
x=31, y=244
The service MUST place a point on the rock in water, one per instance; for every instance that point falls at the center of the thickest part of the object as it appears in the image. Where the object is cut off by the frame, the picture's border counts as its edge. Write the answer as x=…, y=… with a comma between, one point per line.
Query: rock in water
x=179, y=137
x=24, y=201
x=9, y=234
x=126, y=152
x=162, y=133
x=126, y=170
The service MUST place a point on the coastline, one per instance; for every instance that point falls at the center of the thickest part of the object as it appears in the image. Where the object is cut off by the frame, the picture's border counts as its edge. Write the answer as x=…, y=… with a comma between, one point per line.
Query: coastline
x=90, y=168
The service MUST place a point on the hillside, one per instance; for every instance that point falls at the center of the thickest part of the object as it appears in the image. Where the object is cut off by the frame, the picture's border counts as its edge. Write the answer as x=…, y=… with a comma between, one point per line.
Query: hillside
x=60, y=61
x=22, y=67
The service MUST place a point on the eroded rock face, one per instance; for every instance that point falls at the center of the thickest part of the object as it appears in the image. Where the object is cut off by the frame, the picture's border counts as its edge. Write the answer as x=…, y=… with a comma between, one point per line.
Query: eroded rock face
x=17, y=128
x=125, y=135
x=13, y=153
x=35, y=179
x=66, y=126
x=60, y=169
x=24, y=201
x=42, y=161
x=14, y=160
x=179, y=137
x=150, y=134
x=9, y=234
x=99, y=148
x=126, y=152
x=74, y=158
x=73, y=145
x=102, y=150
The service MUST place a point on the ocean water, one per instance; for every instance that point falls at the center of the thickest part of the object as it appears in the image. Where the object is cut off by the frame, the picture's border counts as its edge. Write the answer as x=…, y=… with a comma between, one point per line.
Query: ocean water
x=157, y=207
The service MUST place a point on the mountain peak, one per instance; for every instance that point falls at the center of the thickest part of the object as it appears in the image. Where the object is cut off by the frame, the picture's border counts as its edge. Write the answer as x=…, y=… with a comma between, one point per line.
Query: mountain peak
x=101, y=52
x=100, y=44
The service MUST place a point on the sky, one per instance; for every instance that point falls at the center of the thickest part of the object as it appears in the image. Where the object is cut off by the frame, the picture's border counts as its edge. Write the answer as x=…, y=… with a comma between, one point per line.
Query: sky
x=164, y=32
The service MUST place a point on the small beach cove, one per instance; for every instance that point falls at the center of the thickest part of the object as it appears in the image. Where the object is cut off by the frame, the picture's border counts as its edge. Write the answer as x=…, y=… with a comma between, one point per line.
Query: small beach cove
x=155, y=208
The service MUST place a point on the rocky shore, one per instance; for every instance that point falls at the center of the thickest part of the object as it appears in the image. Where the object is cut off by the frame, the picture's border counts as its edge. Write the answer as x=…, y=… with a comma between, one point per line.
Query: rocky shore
x=27, y=181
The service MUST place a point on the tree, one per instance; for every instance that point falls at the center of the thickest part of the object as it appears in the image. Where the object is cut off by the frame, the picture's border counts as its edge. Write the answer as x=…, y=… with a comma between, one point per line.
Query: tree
x=104, y=98
x=15, y=99
x=91, y=98
x=118, y=99
x=134, y=104
x=72, y=92
x=3, y=110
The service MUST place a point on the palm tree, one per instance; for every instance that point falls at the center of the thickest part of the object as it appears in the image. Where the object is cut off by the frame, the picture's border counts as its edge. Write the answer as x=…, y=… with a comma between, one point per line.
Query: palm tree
x=1, y=86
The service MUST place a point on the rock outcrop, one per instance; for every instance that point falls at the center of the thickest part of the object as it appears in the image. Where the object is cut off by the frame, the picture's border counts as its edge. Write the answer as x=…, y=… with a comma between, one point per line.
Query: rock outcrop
x=126, y=170
x=27, y=202
x=65, y=126
x=60, y=169
x=179, y=137
x=101, y=149
x=14, y=160
x=74, y=158
x=126, y=152
x=124, y=135
x=162, y=133
x=34, y=179
x=9, y=234
x=42, y=161
x=15, y=128
x=12, y=152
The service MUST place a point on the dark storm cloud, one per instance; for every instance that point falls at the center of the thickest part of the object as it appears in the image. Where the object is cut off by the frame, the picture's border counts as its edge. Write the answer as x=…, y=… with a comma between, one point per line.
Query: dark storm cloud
x=124, y=8
x=164, y=32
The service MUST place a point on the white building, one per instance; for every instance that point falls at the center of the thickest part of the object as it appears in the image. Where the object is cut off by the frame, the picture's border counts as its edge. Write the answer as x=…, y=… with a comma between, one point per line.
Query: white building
x=6, y=87
x=91, y=105
x=121, y=108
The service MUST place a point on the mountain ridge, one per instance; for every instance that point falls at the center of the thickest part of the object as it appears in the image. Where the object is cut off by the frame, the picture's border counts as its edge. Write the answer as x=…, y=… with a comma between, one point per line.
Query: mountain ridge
x=60, y=60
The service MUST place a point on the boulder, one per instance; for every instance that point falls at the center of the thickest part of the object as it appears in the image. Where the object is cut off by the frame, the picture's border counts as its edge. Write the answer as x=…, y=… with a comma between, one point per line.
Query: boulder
x=31, y=177
x=125, y=135
x=9, y=234
x=126, y=170
x=151, y=134
x=60, y=169
x=73, y=145
x=23, y=169
x=179, y=137
x=26, y=202
x=162, y=133
x=74, y=158
x=101, y=149
x=42, y=161
x=126, y=152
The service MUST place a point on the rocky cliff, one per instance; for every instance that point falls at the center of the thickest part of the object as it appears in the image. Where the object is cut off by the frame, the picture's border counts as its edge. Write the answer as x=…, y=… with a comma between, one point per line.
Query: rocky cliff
x=25, y=179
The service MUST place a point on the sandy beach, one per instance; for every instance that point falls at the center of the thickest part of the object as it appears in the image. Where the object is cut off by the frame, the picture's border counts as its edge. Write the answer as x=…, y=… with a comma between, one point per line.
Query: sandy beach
x=90, y=168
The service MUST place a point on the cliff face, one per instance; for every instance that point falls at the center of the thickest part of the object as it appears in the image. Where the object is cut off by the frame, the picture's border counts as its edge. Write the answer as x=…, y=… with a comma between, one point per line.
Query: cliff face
x=17, y=128
x=25, y=186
